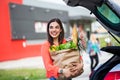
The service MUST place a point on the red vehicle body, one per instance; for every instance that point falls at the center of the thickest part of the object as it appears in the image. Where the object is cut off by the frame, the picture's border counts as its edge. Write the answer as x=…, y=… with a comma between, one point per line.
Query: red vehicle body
x=114, y=74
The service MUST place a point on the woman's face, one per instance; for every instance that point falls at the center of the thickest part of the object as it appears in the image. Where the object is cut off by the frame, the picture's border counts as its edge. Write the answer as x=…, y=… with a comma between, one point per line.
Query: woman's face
x=54, y=29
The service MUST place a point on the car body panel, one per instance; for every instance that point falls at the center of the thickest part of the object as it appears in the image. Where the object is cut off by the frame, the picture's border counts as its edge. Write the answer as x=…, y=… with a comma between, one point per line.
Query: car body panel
x=114, y=73
x=95, y=7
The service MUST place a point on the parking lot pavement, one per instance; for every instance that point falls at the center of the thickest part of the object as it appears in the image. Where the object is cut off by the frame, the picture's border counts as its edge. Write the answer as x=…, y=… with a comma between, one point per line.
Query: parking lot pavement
x=31, y=62
x=36, y=62
x=103, y=57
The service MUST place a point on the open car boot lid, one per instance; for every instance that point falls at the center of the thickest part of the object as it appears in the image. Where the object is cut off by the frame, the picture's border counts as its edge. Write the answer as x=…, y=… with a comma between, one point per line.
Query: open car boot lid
x=107, y=12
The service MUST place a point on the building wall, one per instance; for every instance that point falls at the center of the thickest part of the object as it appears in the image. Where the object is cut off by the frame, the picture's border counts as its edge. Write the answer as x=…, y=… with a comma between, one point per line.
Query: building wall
x=15, y=23
x=30, y=22
x=12, y=49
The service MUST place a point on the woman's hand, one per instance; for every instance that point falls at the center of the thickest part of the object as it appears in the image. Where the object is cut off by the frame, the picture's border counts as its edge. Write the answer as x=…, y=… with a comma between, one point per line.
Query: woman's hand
x=77, y=69
x=67, y=73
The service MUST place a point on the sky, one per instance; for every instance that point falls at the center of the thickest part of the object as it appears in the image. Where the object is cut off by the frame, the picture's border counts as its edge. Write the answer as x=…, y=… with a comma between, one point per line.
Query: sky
x=54, y=1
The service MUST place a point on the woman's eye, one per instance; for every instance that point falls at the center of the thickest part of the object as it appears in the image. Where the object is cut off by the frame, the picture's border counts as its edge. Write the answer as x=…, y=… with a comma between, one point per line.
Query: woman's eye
x=54, y=27
x=57, y=27
x=51, y=27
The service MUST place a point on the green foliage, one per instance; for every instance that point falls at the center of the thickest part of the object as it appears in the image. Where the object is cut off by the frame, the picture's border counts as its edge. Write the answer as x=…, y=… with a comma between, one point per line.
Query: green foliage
x=113, y=42
x=22, y=74
x=102, y=42
x=68, y=45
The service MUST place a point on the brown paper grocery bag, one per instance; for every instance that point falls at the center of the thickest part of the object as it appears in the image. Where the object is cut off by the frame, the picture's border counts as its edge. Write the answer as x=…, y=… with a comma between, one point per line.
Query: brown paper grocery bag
x=65, y=58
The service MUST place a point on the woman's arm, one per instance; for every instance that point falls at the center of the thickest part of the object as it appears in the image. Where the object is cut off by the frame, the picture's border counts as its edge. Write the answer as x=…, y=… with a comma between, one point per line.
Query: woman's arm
x=51, y=70
x=77, y=69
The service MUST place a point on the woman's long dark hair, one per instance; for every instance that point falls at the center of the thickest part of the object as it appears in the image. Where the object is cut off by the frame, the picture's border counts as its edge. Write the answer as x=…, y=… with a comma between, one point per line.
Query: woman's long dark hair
x=61, y=36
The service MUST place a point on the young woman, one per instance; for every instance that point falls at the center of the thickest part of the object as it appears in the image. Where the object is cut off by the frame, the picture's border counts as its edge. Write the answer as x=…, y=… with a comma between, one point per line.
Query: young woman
x=55, y=34
x=93, y=50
